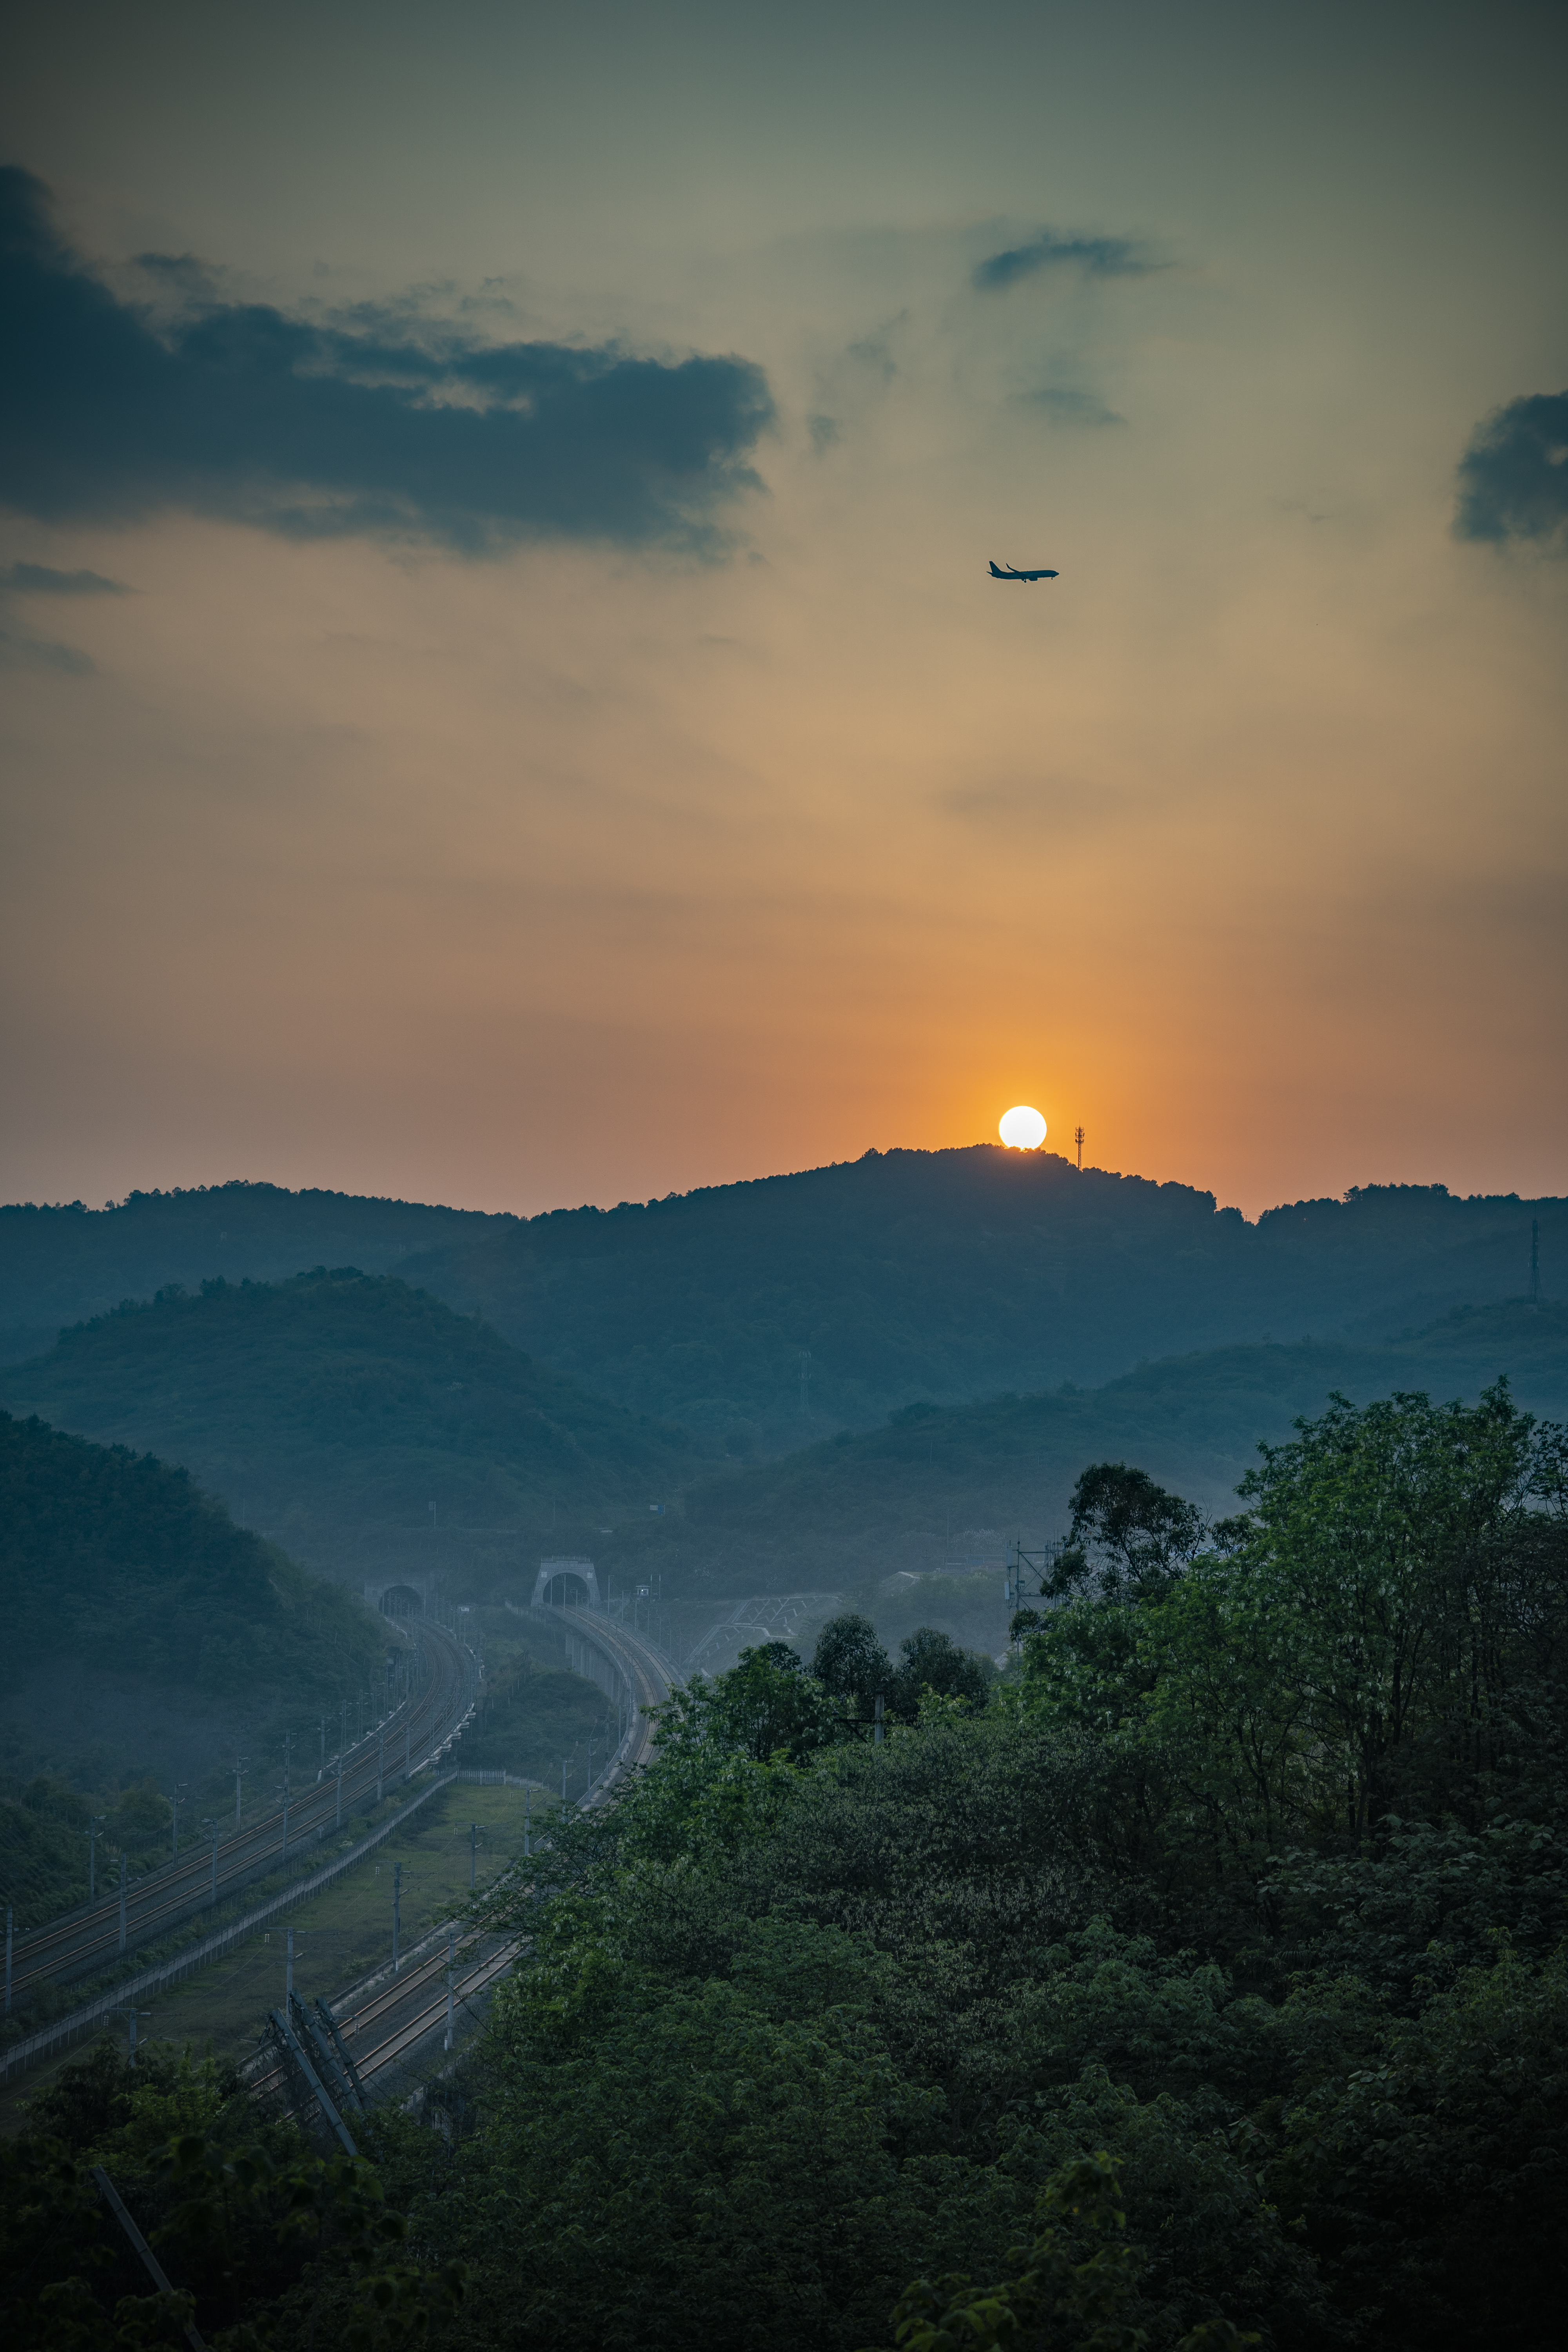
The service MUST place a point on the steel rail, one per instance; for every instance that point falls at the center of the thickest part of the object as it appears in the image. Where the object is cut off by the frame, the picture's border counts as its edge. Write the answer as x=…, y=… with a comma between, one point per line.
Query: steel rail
x=86, y=1938
x=647, y=1677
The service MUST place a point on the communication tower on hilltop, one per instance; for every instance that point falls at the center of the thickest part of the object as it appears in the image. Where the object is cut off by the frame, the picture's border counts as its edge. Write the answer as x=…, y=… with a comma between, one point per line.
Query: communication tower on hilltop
x=1078, y=1138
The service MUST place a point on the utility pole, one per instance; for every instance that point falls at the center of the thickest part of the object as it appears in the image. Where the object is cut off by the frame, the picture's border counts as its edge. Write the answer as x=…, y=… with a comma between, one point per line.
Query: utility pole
x=473, y=1852
x=527, y=1824
x=396, y=1911
x=340, y=1820
x=1078, y=1138
x=239, y=1764
x=8, y=1919
x=451, y=1946
x=174, y=1816
x=289, y=1975
x=322, y=1726
x=563, y=1784
x=208, y=1824
x=94, y=1823
x=381, y=1768
x=122, y=1904
x=131, y=2016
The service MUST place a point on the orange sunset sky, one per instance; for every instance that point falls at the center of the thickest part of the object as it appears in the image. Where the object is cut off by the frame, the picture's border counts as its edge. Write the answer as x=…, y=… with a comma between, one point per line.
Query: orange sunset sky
x=655, y=789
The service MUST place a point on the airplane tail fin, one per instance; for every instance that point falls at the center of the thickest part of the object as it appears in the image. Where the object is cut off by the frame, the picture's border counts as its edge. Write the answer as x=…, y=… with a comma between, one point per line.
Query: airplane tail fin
x=995, y=574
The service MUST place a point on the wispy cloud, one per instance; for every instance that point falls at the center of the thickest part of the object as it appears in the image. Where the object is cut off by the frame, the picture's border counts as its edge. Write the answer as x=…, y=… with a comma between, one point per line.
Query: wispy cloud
x=1073, y=408
x=1513, y=478
x=41, y=580
x=1095, y=257
x=389, y=430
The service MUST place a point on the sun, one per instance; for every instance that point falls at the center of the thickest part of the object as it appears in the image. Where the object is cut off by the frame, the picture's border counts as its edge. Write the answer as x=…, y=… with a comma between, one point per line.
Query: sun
x=1021, y=1129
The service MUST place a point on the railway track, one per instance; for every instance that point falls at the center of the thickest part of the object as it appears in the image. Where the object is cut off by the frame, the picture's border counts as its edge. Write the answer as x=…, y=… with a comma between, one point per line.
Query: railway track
x=408, y=1738
x=394, y=2016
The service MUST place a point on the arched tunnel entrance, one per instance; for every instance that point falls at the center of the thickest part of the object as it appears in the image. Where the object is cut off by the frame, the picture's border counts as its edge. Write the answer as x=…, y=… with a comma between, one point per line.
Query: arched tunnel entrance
x=566, y=1585
x=402, y=1601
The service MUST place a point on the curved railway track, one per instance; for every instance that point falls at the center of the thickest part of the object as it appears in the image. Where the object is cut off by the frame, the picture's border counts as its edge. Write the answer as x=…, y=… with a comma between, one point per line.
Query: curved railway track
x=405, y=1741
x=394, y=2016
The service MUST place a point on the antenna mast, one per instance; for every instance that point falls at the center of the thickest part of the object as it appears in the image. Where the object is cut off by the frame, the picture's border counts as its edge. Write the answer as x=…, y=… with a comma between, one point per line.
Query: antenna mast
x=1078, y=1138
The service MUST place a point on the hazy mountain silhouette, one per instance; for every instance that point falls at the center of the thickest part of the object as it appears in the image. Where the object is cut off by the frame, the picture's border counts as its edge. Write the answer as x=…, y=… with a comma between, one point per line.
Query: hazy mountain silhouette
x=952, y=1275
x=331, y=1410
x=912, y=1493
x=59, y=1265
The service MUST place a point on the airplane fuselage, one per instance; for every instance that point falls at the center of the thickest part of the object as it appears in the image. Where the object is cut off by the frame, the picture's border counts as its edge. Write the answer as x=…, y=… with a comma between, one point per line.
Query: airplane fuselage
x=1011, y=572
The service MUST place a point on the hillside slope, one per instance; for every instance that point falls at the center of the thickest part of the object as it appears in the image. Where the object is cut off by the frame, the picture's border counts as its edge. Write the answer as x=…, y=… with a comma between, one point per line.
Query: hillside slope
x=60, y=1265
x=936, y=1482
x=905, y=1274
x=147, y=1638
x=333, y=1409
x=954, y=1274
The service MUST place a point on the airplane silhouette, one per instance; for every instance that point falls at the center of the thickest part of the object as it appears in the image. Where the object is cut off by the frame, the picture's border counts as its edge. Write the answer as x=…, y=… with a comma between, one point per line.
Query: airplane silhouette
x=1010, y=571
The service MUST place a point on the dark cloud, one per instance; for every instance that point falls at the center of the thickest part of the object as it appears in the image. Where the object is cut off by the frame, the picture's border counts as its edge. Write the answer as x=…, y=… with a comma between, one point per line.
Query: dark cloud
x=1097, y=257
x=1074, y=407
x=18, y=651
x=39, y=580
x=1513, y=478
x=240, y=409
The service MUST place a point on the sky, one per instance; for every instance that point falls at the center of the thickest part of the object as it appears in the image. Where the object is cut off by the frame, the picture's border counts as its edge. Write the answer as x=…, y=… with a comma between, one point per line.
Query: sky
x=503, y=699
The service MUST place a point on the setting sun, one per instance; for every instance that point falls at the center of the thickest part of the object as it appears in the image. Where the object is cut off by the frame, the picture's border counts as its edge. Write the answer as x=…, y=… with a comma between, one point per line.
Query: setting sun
x=1021, y=1129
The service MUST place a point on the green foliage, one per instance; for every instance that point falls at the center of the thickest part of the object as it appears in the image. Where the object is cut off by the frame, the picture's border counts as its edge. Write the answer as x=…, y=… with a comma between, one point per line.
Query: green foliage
x=337, y=1398
x=265, y=2242
x=1382, y=1628
x=1136, y=1948
x=121, y=1563
x=1062, y=2299
x=1429, y=2164
x=836, y=1514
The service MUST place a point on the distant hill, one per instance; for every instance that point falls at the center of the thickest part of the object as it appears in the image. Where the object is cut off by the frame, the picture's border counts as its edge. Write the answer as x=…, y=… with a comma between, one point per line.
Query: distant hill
x=945, y=1275
x=145, y=1634
x=954, y=1274
x=61, y=1265
x=936, y=1485
x=333, y=1409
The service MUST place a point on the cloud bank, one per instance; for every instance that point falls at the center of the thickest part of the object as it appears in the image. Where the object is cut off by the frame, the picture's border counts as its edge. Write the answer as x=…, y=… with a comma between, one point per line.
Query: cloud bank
x=1097, y=257
x=243, y=410
x=1513, y=478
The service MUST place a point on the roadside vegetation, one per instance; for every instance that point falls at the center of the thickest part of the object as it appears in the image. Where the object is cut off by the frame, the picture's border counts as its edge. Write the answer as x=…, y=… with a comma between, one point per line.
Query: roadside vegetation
x=1198, y=1979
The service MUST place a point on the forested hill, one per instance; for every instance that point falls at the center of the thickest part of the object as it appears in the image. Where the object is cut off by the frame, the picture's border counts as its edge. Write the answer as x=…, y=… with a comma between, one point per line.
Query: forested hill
x=60, y=1265
x=334, y=1408
x=119, y=1562
x=935, y=1483
x=904, y=1275
x=145, y=1635
x=956, y=1275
